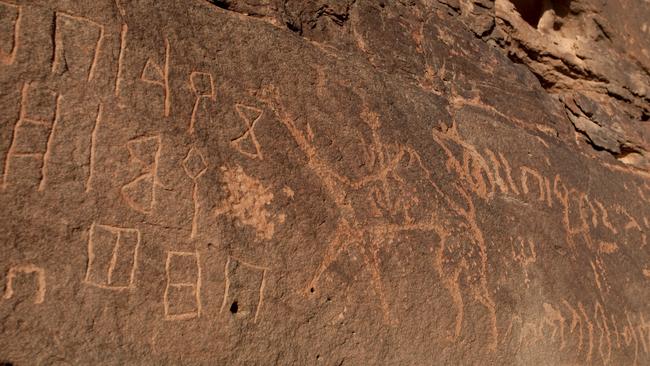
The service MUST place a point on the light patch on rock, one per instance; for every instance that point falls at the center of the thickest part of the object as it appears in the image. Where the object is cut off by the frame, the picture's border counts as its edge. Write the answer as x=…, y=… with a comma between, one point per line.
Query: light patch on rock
x=288, y=191
x=247, y=200
x=608, y=248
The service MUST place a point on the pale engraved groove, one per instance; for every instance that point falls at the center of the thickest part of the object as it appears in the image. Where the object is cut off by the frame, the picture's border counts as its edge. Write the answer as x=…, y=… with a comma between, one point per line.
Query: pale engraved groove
x=9, y=58
x=111, y=267
x=167, y=91
x=590, y=329
x=21, y=115
x=227, y=285
x=506, y=167
x=195, y=214
x=93, y=148
x=633, y=336
x=120, y=58
x=525, y=172
x=50, y=141
x=27, y=269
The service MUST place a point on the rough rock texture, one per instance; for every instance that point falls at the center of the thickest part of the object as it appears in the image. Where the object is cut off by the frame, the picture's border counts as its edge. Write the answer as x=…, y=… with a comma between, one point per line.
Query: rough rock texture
x=324, y=182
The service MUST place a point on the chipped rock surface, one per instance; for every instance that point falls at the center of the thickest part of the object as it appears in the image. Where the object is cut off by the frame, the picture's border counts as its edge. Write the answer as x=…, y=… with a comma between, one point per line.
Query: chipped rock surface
x=246, y=182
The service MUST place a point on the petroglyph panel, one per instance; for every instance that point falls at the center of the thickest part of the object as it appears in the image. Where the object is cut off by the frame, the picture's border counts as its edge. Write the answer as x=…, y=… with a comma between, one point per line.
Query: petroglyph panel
x=187, y=184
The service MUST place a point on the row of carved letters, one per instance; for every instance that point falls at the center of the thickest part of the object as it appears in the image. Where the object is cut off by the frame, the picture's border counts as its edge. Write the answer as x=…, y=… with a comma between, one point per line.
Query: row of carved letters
x=67, y=27
x=144, y=151
x=566, y=324
x=112, y=265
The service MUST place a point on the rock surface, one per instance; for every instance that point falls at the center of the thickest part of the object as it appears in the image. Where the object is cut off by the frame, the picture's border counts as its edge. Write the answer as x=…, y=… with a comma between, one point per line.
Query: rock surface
x=325, y=182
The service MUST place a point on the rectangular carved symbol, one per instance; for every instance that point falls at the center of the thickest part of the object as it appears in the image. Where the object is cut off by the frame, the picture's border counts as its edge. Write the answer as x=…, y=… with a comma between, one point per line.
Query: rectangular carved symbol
x=77, y=41
x=182, y=299
x=32, y=137
x=244, y=290
x=112, y=257
x=26, y=269
x=10, y=15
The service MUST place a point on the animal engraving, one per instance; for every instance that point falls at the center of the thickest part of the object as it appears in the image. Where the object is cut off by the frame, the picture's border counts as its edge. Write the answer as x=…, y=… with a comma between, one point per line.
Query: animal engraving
x=112, y=257
x=195, y=166
x=182, y=298
x=11, y=18
x=388, y=212
x=247, y=200
x=152, y=73
x=251, y=116
x=140, y=193
x=34, y=131
x=80, y=34
x=243, y=297
x=203, y=87
x=26, y=269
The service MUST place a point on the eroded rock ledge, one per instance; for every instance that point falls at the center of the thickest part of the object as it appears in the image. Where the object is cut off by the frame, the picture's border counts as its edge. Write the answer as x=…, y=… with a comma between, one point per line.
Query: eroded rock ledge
x=571, y=46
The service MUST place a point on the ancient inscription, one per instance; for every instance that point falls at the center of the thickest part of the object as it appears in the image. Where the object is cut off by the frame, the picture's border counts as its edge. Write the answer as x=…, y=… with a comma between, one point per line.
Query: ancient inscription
x=203, y=87
x=92, y=157
x=10, y=18
x=26, y=269
x=77, y=43
x=594, y=333
x=112, y=257
x=154, y=74
x=182, y=298
x=33, y=132
x=120, y=59
x=247, y=143
x=247, y=200
x=140, y=193
x=244, y=291
x=195, y=166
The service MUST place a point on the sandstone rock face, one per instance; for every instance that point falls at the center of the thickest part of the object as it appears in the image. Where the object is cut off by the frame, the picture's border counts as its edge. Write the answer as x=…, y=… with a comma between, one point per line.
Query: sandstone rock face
x=324, y=182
